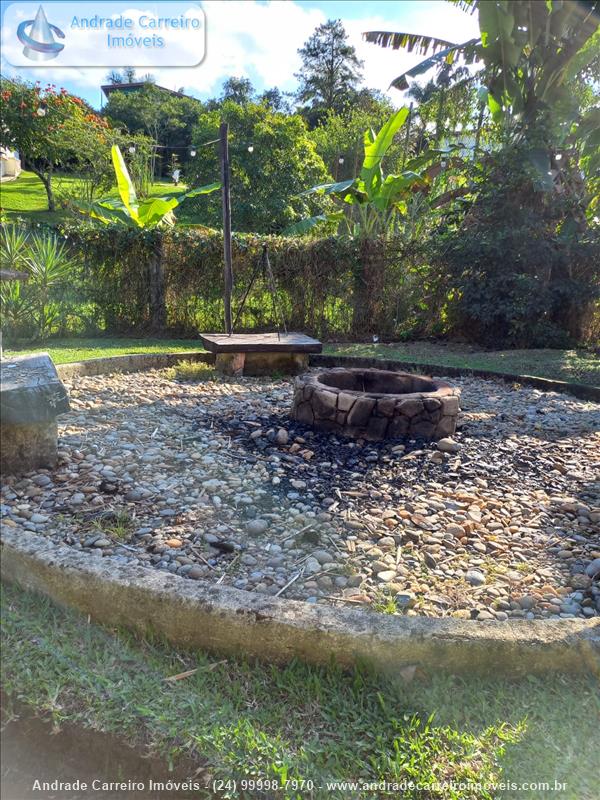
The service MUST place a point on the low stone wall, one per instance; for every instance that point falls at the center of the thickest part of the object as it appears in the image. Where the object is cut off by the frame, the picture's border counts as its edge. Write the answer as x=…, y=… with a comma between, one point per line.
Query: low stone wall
x=235, y=622
x=580, y=390
x=428, y=410
x=130, y=363
x=147, y=361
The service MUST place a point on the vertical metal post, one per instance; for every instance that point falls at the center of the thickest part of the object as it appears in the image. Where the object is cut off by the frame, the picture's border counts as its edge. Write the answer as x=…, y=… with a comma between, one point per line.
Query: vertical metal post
x=228, y=267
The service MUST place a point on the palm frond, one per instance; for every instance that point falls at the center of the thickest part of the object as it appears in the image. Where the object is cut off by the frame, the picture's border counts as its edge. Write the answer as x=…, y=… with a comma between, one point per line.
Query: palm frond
x=467, y=51
x=407, y=41
x=470, y=6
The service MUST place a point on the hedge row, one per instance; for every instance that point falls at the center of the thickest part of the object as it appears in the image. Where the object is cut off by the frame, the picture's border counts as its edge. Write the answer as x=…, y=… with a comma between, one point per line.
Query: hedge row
x=172, y=281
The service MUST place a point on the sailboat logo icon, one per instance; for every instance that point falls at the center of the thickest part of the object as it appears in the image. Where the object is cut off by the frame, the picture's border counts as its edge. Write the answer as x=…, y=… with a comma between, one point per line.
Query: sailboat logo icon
x=38, y=37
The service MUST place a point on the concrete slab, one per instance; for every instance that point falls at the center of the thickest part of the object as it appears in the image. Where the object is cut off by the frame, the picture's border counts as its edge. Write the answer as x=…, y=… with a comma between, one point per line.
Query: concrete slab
x=31, y=397
x=30, y=390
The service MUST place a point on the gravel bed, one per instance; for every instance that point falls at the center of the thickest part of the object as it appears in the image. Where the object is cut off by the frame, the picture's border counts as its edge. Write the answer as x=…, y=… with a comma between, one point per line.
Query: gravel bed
x=214, y=481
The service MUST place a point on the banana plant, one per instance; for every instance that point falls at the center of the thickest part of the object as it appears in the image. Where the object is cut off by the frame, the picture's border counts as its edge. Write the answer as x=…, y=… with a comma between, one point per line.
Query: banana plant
x=127, y=210
x=373, y=204
x=529, y=50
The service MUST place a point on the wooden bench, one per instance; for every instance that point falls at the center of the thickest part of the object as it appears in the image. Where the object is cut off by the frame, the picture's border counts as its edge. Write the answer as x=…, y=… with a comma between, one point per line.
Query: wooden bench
x=260, y=353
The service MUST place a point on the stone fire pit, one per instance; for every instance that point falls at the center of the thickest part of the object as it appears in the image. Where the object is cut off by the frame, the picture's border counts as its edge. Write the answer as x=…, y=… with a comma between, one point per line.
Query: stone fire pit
x=376, y=404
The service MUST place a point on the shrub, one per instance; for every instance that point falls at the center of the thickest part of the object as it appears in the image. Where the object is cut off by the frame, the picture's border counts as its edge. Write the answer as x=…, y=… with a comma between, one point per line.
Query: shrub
x=521, y=268
x=192, y=372
x=331, y=287
x=34, y=308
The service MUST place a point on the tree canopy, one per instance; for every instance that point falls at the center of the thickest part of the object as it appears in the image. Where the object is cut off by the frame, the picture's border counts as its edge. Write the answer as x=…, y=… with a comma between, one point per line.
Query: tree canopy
x=273, y=161
x=331, y=70
x=50, y=128
x=164, y=116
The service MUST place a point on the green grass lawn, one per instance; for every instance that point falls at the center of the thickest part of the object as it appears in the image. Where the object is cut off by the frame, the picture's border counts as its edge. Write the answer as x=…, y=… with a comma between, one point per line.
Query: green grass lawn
x=577, y=366
x=301, y=722
x=26, y=197
x=64, y=351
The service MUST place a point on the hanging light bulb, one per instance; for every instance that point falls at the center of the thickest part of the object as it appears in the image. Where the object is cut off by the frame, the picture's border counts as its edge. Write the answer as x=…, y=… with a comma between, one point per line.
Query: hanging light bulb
x=192, y=153
x=251, y=148
x=41, y=112
x=341, y=160
x=132, y=149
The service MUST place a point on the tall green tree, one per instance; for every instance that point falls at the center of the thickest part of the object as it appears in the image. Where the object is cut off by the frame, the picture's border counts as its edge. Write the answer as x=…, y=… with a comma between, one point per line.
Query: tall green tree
x=165, y=117
x=331, y=70
x=238, y=90
x=272, y=162
x=276, y=100
x=49, y=128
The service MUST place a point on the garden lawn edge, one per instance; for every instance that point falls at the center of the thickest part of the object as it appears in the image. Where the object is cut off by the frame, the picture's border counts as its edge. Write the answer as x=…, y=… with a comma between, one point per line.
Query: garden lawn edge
x=580, y=390
x=147, y=361
x=200, y=614
x=135, y=362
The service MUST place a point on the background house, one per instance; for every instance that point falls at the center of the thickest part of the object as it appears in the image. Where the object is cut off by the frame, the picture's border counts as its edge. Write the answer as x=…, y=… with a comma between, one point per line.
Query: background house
x=10, y=163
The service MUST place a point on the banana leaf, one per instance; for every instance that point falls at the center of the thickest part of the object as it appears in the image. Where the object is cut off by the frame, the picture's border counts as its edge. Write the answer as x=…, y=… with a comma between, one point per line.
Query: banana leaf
x=330, y=188
x=469, y=51
x=306, y=225
x=376, y=150
x=124, y=183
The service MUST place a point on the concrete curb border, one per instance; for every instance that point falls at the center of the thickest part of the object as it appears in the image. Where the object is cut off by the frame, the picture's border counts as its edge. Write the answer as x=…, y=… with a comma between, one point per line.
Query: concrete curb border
x=580, y=390
x=146, y=361
x=137, y=362
x=198, y=614
x=235, y=622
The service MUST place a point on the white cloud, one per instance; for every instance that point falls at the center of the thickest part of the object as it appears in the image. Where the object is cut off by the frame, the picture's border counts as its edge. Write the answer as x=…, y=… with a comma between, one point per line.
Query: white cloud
x=243, y=38
x=253, y=40
x=436, y=18
x=260, y=41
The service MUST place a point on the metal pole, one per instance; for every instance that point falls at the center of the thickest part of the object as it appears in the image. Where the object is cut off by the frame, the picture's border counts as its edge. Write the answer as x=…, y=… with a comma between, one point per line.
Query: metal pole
x=228, y=267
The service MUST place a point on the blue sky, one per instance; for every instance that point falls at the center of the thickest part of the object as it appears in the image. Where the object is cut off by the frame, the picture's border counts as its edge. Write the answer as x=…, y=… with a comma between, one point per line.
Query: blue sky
x=259, y=39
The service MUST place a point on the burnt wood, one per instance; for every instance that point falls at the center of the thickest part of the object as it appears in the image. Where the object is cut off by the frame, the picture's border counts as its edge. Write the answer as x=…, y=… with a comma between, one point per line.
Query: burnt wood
x=260, y=343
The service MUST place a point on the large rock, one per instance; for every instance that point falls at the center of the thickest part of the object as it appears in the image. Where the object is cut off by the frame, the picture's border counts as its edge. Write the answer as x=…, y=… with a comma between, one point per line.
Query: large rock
x=31, y=397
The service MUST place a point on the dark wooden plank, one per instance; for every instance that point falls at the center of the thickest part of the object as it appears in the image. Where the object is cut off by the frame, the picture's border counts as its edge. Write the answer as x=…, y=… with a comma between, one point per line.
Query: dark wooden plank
x=260, y=343
x=12, y=275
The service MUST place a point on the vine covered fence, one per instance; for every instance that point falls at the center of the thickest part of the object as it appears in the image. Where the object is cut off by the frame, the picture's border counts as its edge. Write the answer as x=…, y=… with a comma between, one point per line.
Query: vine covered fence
x=172, y=282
